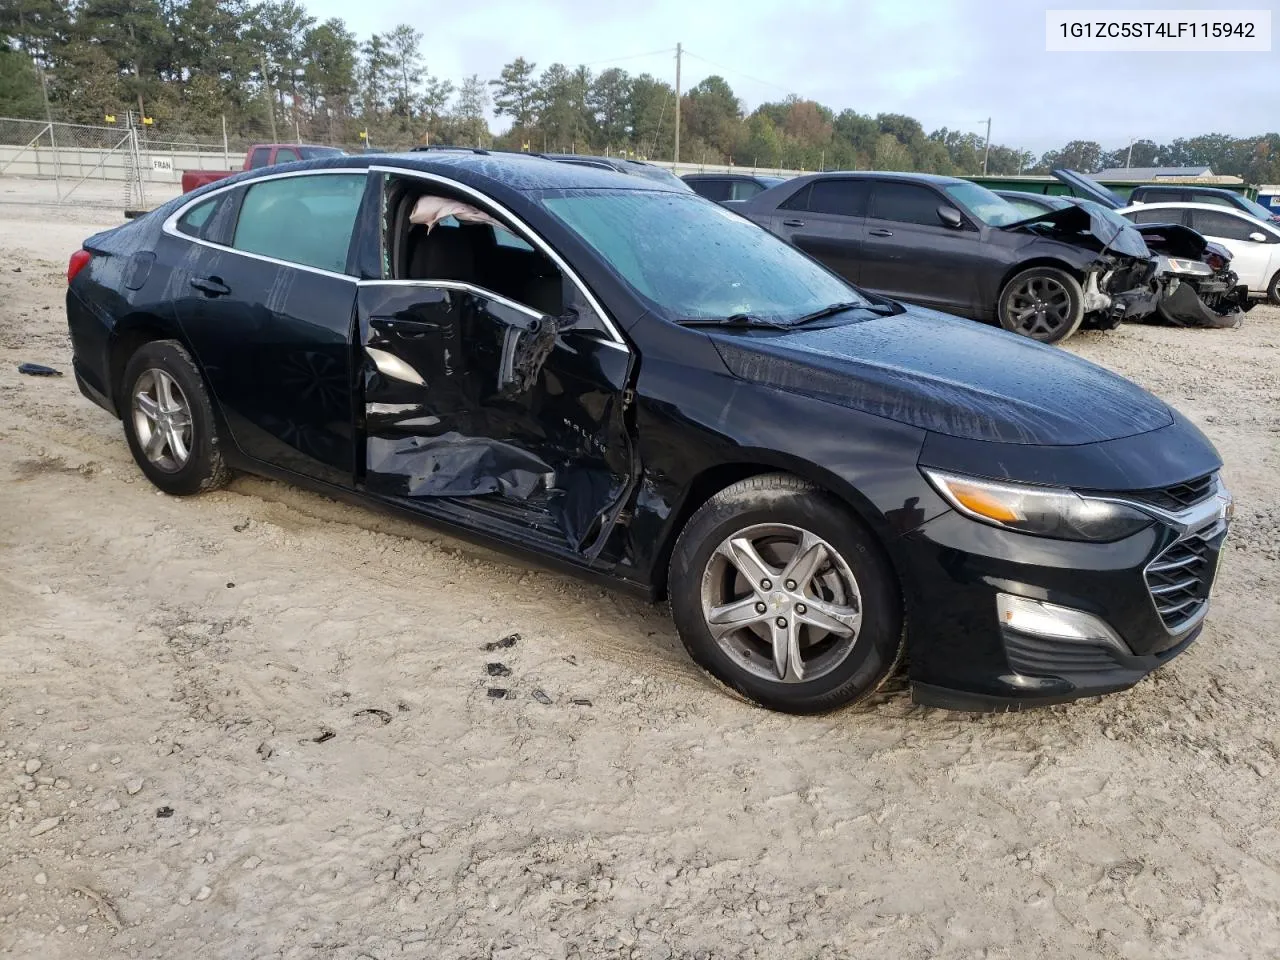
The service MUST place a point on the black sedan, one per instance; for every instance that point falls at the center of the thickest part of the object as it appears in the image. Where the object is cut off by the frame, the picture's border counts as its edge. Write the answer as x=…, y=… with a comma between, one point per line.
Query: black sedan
x=636, y=383
x=956, y=246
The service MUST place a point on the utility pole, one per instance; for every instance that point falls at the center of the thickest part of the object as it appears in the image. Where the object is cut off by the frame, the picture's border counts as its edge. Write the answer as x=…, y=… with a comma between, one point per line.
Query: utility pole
x=676, y=157
x=986, y=151
x=271, y=100
x=1128, y=161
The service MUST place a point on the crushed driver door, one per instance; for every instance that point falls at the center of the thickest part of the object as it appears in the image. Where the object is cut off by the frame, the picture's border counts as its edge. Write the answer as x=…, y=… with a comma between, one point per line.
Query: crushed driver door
x=477, y=399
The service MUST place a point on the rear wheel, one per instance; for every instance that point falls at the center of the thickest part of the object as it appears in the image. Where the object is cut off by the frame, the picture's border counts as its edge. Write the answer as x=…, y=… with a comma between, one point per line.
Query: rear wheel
x=1043, y=303
x=783, y=596
x=169, y=421
x=1273, y=289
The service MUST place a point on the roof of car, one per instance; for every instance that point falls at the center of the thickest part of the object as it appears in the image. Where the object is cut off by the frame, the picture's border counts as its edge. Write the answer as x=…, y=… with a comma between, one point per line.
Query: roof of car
x=516, y=171
x=730, y=176
x=1197, y=187
x=934, y=178
x=1188, y=205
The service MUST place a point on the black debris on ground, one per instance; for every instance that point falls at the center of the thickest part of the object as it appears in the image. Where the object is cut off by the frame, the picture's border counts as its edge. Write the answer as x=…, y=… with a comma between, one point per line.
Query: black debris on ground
x=325, y=736
x=382, y=715
x=164, y=812
x=510, y=640
x=498, y=693
x=580, y=702
x=38, y=370
x=542, y=698
x=497, y=669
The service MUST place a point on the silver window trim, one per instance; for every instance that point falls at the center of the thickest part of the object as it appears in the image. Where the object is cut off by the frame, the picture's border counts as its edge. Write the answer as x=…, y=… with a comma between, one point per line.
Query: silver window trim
x=521, y=230
x=478, y=291
x=170, y=225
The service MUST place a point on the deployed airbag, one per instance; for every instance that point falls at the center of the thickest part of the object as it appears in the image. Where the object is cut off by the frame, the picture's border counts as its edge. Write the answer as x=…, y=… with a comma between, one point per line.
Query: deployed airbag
x=429, y=211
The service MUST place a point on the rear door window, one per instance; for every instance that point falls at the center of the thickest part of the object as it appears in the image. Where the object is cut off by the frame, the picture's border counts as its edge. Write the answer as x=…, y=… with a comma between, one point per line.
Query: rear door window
x=1158, y=215
x=842, y=198
x=1214, y=224
x=259, y=157
x=286, y=155
x=307, y=220
x=906, y=203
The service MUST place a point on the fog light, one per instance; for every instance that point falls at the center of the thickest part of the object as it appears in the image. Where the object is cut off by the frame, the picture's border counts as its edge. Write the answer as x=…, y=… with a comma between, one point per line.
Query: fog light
x=1040, y=619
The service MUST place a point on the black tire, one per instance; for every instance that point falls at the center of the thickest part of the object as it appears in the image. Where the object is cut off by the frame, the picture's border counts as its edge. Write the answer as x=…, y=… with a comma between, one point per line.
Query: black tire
x=783, y=499
x=1273, y=289
x=1063, y=302
x=203, y=468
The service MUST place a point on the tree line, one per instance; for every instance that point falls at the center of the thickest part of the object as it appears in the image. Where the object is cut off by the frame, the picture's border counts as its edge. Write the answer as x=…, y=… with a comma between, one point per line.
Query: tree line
x=270, y=70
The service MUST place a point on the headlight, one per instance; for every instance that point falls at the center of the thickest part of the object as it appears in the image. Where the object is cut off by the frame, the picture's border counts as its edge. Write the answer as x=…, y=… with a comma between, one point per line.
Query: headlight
x=1043, y=511
x=1189, y=267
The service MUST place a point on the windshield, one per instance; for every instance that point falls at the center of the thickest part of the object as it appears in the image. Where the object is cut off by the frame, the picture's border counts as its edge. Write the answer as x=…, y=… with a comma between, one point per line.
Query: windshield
x=695, y=259
x=661, y=174
x=993, y=210
x=315, y=153
x=1257, y=209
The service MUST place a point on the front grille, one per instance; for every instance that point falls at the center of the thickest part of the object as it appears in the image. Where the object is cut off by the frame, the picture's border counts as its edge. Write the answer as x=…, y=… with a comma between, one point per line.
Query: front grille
x=1179, y=496
x=1179, y=580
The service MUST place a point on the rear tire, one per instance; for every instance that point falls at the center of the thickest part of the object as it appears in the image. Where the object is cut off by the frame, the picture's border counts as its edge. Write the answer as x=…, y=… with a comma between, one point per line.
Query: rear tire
x=1273, y=289
x=1043, y=303
x=169, y=420
x=819, y=625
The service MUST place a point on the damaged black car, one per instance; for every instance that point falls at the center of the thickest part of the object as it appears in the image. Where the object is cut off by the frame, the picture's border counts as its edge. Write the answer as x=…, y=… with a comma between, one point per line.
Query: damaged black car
x=634, y=383
x=955, y=246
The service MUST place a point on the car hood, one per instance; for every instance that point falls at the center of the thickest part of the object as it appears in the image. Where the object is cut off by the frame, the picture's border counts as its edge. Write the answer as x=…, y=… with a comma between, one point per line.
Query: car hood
x=949, y=376
x=1089, y=187
x=1073, y=220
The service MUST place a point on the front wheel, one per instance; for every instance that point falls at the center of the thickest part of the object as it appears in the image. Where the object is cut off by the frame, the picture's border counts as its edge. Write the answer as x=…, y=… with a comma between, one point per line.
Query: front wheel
x=1273, y=289
x=782, y=595
x=1043, y=303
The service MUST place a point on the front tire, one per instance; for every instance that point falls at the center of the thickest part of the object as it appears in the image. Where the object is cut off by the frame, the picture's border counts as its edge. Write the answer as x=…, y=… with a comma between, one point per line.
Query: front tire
x=782, y=595
x=1043, y=303
x=1273, y=289
x=169, y=420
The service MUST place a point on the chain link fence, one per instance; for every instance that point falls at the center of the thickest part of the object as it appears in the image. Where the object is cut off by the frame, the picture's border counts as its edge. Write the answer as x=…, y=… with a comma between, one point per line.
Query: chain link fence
x=102, y=165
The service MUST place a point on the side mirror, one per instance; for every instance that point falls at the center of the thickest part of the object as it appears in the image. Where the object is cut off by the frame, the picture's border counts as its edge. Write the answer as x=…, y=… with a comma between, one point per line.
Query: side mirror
x=951, y=217
x=1258, y=237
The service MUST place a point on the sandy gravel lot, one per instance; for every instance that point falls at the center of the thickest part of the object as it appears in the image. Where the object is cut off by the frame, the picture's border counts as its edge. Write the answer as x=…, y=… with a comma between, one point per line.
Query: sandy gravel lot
x=189, y=767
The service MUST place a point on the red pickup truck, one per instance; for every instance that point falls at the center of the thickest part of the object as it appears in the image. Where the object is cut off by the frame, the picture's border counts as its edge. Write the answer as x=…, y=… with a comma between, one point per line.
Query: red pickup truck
x=261, y=155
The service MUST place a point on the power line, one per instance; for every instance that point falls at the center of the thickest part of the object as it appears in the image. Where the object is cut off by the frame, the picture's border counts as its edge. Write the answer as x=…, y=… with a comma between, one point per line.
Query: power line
x=739, y=73
x=634, y=56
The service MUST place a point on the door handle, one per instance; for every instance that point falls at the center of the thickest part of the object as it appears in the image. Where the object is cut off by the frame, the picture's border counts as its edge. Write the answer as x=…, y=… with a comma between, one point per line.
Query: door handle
x=881, y=233
x=213, y=286
x=793, y=223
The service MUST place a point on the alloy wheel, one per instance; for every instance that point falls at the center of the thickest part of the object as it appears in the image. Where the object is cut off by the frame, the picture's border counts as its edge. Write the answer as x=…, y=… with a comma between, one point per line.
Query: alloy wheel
x=162, y=420
x=1039, y=306
x=781, y=603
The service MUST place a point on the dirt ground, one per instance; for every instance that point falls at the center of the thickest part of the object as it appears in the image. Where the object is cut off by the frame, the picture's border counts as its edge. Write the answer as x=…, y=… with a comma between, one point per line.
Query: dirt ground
x=189, y=766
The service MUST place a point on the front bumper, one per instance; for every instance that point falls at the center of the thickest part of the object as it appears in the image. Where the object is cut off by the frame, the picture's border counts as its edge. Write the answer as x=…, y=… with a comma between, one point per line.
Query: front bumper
x=1150, y=591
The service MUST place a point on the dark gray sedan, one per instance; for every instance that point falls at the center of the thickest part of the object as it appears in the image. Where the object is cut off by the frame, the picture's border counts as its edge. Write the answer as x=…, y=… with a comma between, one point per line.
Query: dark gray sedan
x=950, y=244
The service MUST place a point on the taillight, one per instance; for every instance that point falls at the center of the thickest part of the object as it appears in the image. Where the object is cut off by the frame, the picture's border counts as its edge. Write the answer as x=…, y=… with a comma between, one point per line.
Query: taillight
x=79, y=260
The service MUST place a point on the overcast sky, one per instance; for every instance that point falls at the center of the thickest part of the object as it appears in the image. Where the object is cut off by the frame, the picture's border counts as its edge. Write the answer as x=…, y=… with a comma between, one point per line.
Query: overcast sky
x=945, y=63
